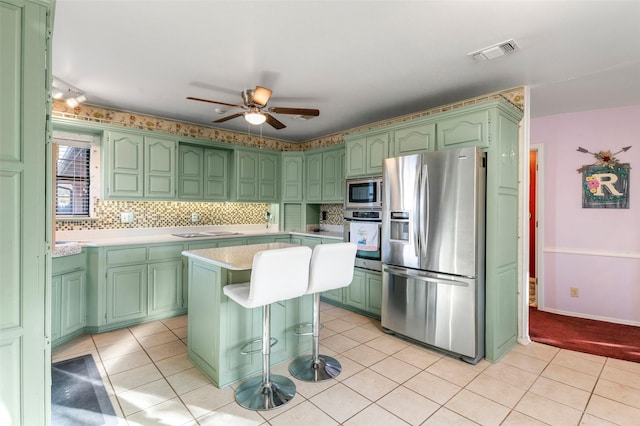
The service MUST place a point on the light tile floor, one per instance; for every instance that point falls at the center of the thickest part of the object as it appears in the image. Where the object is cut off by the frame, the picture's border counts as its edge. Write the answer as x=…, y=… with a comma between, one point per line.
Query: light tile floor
x=385, y=381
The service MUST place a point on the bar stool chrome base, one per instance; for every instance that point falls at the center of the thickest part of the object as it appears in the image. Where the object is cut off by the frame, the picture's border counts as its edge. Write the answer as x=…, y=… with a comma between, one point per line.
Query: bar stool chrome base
x=255, y=394
x=305, y=368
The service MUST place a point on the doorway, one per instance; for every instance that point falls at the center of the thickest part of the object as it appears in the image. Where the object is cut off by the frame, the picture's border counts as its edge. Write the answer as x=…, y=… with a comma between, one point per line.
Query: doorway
x=533, y=227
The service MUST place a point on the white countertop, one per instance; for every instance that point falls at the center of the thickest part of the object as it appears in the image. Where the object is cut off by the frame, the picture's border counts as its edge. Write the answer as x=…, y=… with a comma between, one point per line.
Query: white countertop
x=237, y=258
x=71, y=242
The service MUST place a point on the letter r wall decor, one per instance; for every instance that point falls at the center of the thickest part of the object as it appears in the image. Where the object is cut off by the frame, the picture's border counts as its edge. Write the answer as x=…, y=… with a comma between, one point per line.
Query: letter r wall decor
x=605, y=184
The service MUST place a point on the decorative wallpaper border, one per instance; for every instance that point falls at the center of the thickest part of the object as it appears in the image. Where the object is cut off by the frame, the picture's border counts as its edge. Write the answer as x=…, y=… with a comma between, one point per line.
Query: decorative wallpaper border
x=93, y=113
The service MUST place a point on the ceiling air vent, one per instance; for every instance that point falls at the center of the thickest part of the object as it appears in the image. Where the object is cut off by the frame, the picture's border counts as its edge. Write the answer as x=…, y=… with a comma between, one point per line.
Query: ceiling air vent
x=492, y=52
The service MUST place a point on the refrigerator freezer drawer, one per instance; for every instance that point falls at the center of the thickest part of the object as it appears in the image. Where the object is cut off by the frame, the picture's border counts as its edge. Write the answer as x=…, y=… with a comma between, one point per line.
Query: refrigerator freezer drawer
x=440, y=310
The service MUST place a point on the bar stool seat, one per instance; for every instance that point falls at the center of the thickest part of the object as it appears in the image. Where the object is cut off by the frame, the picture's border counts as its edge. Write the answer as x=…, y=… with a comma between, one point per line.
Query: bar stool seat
x=331, y=268
x=276, y=275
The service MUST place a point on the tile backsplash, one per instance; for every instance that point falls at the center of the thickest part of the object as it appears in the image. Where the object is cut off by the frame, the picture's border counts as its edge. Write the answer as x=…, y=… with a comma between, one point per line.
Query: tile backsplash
x=154, y=214
x=160, y=214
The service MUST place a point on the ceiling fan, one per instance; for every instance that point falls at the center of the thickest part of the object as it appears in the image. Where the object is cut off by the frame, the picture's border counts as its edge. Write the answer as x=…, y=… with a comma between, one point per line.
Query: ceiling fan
x=255, y=111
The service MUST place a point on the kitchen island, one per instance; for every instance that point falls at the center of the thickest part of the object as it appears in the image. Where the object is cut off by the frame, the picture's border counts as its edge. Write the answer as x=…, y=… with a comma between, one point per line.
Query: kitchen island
x=219, y=327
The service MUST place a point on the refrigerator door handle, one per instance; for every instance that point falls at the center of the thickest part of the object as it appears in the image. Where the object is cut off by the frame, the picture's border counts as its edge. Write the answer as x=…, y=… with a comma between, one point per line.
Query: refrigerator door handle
x=423, y=209
x=422, y=277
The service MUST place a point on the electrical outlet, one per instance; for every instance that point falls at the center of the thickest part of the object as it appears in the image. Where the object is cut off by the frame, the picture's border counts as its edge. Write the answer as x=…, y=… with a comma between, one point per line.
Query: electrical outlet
x=573, y=291
x=194, y=217
x=126, y=217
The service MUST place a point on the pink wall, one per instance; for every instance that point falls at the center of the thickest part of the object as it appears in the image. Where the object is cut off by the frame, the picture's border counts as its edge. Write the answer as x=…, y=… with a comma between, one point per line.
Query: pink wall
x=602, y=246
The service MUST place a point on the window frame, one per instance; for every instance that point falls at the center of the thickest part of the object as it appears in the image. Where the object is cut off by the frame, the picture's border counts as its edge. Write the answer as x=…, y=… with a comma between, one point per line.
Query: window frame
x=83, y=140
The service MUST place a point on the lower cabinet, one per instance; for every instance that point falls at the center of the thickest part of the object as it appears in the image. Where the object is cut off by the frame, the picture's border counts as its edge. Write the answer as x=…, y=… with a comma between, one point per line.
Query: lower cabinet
x=68, y=298
x=133, y=284
x=363, y=295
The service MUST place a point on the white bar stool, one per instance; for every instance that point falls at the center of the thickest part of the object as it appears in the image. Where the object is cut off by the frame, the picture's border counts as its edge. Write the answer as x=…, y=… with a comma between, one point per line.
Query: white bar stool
x=276, y=275
x=331, y=268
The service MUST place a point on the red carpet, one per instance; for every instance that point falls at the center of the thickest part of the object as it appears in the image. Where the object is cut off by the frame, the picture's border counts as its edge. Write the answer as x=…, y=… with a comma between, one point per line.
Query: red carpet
x=584, y=335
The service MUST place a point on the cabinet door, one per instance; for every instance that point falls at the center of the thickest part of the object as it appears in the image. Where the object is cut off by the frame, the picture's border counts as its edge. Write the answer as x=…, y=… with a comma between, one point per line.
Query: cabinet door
x=332, y=176
x=165, y=286
x=354, y=294
x=310, y=241
x=377, y=150
x=73, y=302
x=292, y=180
x=190, y=172
x=470, y=129
x=159, y=168
x=268, y=172
x=336, y=295
x=125, y=165
x=216, y=169
x=126, y=293
x=246, y=176
x=314, y=178
x=355, y=161
x=414, y=139
x=374, y=293
x=56, y=308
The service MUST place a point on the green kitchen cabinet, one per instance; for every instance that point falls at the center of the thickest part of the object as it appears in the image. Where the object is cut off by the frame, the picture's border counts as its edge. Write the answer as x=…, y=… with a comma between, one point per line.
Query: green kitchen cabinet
x=68, y=297
x=292, y=177
x=202, y=173
x=124, y=161
x=139, y=167
x=465, y=129
x=373, y=299
x=325, y=176
x=256, y=176
x=25, y=164
x=355, y=293
x=365, y=152
x=219, y=328
x=159, y=168
x=313, y=180
x=413, y=139
x=130, y=284
x=126, y=288
x=363, y=295
x=333, y=176
x=165, y=287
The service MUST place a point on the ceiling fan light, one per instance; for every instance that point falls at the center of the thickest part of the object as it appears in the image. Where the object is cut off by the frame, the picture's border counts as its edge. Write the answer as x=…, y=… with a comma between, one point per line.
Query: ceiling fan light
x=255, y=118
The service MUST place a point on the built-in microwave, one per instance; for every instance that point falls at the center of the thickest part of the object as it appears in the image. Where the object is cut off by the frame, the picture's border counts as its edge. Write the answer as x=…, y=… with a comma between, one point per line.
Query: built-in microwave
x=363, y=193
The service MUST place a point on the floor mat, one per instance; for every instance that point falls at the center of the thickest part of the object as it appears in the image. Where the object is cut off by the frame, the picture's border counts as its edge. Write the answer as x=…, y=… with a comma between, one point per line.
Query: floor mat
x=78, y=396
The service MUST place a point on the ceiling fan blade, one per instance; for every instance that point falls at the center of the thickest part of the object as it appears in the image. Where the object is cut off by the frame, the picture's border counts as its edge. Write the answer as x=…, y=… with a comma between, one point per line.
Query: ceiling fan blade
x=229, y=117
x=214, y=102
x=261, y=96
x=295, y=111
x=276, y=124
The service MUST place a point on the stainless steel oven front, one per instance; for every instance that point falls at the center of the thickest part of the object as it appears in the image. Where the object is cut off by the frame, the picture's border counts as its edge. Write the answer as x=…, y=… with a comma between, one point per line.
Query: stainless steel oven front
x=365, y=222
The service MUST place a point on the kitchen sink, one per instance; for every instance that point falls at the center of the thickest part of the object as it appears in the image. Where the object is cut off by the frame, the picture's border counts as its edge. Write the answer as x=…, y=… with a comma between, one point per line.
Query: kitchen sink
x=206, y=234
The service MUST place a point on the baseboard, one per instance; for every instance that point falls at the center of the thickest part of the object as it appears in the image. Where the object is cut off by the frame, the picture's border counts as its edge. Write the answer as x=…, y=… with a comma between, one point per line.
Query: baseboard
x=592, y=317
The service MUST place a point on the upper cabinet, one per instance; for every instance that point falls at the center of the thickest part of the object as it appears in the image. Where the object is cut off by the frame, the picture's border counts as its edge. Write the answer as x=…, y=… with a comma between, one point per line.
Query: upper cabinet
x=292, y=176
x=202, y=173
x=325, y=176
x=256, y=176
x=139, y=166
x=413, y=138
x=364, y=153
x=469, y=129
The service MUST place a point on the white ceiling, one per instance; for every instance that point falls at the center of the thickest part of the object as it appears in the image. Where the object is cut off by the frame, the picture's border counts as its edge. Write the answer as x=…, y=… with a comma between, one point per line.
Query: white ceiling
x=356, y=61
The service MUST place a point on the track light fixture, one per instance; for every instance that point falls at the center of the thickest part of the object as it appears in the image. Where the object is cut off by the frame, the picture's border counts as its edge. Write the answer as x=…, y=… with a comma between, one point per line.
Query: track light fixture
x=64, y=91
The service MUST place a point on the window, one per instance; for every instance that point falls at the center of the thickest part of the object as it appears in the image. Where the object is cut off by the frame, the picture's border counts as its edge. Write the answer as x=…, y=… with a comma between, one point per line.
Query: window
x=76, y=180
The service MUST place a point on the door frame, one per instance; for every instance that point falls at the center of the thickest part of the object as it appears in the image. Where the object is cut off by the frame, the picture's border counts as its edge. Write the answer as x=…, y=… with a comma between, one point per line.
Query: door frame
x=539, y=255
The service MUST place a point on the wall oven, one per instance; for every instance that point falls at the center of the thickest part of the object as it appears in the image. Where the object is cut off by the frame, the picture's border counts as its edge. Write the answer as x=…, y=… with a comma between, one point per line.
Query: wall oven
x=363, y=193
x=364, y=228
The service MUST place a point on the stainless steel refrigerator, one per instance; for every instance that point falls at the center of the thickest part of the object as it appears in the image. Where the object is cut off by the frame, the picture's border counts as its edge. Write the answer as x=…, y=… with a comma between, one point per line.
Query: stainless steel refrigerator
x=433, y=249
